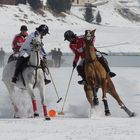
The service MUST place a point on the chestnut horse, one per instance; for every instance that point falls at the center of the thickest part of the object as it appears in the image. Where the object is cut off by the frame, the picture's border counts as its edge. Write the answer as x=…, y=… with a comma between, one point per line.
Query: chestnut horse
x=97, y=77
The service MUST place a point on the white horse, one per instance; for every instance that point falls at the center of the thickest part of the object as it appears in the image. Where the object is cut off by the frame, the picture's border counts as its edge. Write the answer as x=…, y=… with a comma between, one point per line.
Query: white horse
x=33, y=79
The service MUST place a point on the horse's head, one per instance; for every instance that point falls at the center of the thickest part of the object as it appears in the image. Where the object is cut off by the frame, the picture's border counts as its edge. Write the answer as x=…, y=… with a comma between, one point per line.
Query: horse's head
x=36, y=45
x=89, y=35
x=89, y=45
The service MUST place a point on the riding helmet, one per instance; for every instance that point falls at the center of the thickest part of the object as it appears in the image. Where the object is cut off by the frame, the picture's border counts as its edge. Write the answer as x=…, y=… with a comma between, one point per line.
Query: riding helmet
x=68, y=35
x=23, y=28
x=43, y=28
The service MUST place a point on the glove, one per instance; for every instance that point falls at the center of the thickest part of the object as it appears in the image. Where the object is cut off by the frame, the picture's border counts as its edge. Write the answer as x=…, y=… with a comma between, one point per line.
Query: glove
x=15, y=50
x=74, y=64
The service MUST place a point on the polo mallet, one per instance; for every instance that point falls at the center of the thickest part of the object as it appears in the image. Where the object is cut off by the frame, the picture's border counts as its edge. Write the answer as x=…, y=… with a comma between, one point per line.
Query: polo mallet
x=59, y=99
x=62, y=111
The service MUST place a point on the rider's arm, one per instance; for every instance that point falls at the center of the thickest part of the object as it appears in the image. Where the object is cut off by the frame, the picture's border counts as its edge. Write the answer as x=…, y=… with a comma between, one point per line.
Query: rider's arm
x=15, y=47
x=76, y=58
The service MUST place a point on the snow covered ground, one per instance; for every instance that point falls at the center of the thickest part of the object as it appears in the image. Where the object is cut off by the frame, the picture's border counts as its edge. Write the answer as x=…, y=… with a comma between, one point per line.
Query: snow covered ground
x=75, y=124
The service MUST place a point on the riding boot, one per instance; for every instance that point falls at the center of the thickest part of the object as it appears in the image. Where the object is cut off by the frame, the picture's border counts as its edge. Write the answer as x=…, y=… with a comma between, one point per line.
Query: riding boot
x=19, y=65
x=104, y=63
x=44, y=72
x=80, y=70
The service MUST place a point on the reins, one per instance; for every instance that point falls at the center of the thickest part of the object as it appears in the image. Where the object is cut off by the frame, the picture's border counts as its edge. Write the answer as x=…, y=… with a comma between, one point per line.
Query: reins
x=38, y=59
x=38, y=67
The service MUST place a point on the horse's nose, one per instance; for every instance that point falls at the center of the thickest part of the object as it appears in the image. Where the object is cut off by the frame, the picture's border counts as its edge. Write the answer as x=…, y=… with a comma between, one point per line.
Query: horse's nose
x=88, y=37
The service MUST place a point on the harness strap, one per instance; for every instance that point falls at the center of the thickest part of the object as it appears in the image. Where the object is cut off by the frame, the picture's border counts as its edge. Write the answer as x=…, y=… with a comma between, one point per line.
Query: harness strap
x=23, y=79
x=36, y=71
x=47, y=72
x=38, y=67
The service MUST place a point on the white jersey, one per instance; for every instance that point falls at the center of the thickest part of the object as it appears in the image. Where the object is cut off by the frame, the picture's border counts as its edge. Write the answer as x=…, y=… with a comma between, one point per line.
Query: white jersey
x=27, y=46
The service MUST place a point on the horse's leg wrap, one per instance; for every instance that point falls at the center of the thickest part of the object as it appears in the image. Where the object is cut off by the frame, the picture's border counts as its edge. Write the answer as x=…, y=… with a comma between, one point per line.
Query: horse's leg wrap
x=45, y=110
x=35, y=108
x=107, y=111
x=131, y=114
x=45, y=113
x=95, y=100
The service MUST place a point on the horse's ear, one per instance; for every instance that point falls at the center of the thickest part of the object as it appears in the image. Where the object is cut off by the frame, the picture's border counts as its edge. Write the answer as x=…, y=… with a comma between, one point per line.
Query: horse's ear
x=86, y=31
x=93, y=31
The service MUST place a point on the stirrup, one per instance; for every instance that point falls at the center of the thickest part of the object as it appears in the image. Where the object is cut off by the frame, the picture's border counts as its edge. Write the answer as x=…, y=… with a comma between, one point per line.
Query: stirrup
x=47, y=81
x=82, y=82
x=112, y=74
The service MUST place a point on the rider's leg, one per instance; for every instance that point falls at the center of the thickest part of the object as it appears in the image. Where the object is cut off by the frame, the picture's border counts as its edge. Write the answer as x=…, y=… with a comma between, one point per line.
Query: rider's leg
x=104, y=63
x=80, y=70
x=21, y=61
x=44, y=71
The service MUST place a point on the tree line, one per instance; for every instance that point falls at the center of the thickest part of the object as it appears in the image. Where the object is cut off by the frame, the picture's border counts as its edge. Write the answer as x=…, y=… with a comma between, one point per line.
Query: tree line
x=89, y=14
x=62, y=6
x=55, y=5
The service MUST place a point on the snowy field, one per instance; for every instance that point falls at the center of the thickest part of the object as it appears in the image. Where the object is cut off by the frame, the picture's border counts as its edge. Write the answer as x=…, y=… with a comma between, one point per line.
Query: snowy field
x=75, y=124
x=115, y=34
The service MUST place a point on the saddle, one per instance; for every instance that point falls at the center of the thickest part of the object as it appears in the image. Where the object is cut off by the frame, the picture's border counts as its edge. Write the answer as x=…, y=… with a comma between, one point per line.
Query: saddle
x=12, y=57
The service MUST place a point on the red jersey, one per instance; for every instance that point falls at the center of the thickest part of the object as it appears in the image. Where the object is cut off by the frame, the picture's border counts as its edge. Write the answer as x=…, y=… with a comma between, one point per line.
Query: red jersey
x=17, y=42
x=78, y=48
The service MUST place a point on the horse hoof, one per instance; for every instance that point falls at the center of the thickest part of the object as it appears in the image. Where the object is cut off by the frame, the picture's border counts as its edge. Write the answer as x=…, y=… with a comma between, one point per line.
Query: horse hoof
x=107, y=113
x=47, y=118
x=36, y=115
x=16, y=117
x=132, y=114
